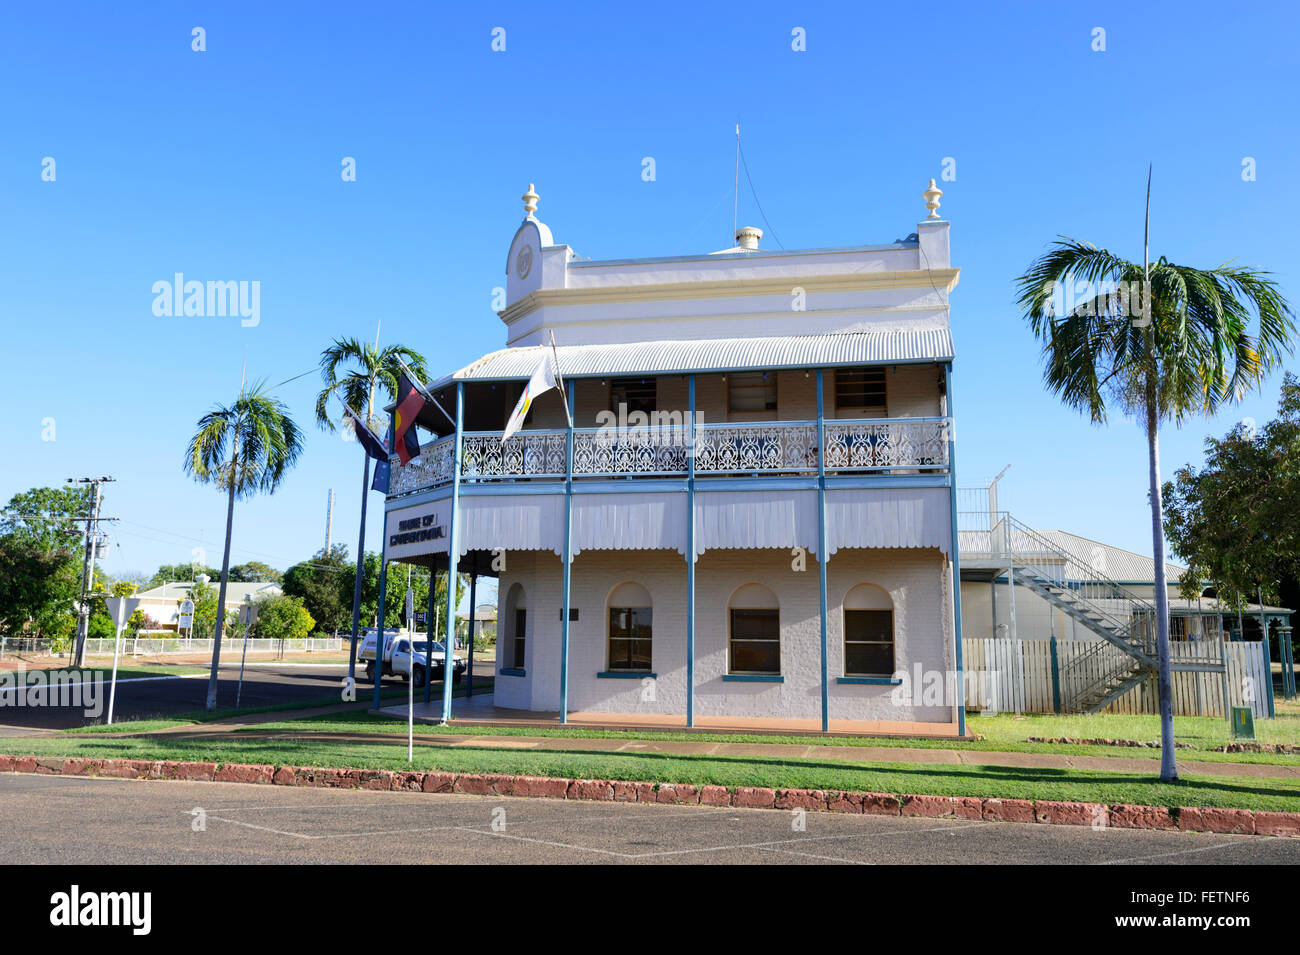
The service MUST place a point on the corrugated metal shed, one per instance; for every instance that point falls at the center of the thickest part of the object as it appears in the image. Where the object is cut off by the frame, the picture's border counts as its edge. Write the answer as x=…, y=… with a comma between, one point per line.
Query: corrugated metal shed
x=722, y=354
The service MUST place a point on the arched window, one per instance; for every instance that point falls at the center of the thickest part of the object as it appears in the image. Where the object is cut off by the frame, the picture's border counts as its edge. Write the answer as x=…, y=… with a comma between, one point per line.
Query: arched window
x=868, y=632
x=516, y=620
x=755, y=631
x=630, y=628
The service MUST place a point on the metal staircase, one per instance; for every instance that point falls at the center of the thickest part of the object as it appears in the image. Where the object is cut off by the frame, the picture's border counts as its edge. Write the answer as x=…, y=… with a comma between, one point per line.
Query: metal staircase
x=1125, y=656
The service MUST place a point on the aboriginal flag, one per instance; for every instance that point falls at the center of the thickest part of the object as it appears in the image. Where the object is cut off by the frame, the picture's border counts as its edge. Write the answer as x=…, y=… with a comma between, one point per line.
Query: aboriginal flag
x=409, y=405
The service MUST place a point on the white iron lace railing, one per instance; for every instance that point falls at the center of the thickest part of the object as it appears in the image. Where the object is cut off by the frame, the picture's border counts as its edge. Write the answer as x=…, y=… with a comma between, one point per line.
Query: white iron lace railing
x=887, y=444
x=529, y=454
x=430, y=468
x=761, y=447
x=769, y=446
x=610, y=452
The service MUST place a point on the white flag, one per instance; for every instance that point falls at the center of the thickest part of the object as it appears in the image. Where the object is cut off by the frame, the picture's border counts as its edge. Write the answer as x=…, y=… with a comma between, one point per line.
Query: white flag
x=543, y=380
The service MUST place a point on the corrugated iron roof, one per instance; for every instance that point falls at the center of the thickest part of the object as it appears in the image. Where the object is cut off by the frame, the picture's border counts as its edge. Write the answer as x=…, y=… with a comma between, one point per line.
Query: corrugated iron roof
x=1118, y=564
x=716, y=354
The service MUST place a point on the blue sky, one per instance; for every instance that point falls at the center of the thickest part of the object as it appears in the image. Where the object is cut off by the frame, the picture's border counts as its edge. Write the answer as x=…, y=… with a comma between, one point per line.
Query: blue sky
x=225, y=165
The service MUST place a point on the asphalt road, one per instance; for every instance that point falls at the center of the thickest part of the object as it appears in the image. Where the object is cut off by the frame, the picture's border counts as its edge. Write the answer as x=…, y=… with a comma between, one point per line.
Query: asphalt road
x=143, y=822
x=264, y=684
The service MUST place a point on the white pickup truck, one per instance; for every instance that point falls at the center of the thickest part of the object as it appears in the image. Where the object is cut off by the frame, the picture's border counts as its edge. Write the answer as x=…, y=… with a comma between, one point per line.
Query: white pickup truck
x=397, y=657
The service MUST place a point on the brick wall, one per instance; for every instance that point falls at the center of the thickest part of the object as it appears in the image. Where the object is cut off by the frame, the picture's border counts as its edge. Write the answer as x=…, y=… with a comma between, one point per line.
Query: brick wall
x=913, y=578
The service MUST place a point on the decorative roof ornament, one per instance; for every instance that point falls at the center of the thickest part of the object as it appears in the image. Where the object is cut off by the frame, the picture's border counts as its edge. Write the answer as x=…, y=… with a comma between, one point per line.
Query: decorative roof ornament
x=530, y=199
x=931, y=197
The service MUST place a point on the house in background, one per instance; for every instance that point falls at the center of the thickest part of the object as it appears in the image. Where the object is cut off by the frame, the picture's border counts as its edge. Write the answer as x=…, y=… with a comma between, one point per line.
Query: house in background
x=1095, y=605
x=162, y=604
x=485, y=623
x=745, y=514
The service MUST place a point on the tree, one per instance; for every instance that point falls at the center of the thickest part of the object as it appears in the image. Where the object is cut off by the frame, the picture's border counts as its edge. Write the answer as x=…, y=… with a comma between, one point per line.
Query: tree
x=39, y=586
x=395, y=599
x=1236, y=518
x=41, y=561
x=373, y=371
x=255, y=572
x=1184, y=352
x=101, y=625
x=324, y=584
x=49, y=515
x=282, y=617
x=205, y=610
x=243, y=448
x=172, y=573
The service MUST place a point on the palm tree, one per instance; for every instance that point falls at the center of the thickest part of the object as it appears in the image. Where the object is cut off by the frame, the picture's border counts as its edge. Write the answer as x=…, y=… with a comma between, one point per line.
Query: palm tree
x=243, y=448
x=1187, y=350
x=374, y=371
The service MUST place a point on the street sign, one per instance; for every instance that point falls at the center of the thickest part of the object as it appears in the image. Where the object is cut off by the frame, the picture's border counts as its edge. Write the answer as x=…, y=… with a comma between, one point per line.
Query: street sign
x=421, y=618
x=186, y=618
x=410, y=603
x=121, y=608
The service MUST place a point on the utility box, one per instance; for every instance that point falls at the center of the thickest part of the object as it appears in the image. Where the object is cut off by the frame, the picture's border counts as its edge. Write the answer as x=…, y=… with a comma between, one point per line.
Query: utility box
x=1243, y=723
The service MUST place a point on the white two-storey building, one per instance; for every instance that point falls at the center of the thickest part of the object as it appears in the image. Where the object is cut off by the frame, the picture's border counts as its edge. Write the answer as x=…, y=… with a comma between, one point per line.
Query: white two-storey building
x=751, y=517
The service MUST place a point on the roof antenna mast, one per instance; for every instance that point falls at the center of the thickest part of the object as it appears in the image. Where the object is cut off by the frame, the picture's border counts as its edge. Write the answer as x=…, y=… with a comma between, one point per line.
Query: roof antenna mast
x=735, y=202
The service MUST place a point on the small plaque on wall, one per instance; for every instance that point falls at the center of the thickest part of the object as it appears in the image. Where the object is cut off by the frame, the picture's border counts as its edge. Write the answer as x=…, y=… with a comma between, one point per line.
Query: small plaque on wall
x=573, y=614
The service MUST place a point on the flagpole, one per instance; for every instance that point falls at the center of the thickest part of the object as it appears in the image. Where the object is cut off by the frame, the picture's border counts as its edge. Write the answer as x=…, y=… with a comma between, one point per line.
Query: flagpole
x=564, y=394
x=415, y=383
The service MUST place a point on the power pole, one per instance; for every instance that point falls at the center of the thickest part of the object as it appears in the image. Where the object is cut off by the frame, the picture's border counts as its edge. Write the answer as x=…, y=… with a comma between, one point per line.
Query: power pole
x=88, y=569
x=329, y=523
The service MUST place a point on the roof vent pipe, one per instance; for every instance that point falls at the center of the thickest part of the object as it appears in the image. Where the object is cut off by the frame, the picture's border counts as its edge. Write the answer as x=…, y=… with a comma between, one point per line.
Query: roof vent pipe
x=747, y=237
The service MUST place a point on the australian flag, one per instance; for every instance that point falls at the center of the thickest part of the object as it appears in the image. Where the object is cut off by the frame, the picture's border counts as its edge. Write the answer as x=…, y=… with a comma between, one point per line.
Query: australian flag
x=382, y=470
x=376, y=448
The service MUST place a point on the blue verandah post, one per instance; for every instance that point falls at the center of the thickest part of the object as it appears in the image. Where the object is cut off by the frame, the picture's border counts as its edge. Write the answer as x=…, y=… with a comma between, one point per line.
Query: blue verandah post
x=690, y=551
x=959, y=689
x=469, y=639
x=821, y=546
x=568, y=562
x=453, y=545
x=428, y=651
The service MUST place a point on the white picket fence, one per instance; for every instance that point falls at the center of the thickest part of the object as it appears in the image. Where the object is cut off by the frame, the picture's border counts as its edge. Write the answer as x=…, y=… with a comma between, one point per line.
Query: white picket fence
x=997, y=675
x=156, y=645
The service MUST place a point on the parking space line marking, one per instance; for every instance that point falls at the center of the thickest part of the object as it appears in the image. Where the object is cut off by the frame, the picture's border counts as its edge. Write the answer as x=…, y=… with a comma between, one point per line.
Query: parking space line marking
x=812, y=855
x=1162, y=855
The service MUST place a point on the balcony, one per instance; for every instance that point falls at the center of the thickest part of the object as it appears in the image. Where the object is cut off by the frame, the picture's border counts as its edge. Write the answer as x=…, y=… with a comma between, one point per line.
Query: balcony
x=759, y=449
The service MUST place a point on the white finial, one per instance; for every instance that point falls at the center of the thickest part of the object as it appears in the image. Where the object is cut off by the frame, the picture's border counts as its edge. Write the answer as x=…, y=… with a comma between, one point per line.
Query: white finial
x=530, y=199
x=931, y=197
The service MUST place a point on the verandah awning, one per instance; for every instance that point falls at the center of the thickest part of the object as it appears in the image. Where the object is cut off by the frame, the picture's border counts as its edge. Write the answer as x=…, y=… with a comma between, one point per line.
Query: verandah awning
x=656, y=520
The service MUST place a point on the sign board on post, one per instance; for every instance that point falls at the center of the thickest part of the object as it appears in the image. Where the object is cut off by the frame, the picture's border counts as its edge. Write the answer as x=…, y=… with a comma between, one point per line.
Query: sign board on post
x=185, y=621
x=1243, y=723
x=120, y=609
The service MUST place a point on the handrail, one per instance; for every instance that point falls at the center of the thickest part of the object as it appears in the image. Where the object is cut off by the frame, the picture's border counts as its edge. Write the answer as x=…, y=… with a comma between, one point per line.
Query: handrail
x=1089, y=589
x=660, y=449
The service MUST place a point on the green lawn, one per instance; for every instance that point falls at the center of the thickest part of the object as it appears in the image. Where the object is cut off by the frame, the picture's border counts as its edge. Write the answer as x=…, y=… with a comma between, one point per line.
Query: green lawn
x=986, y=781
x=1003, y=733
